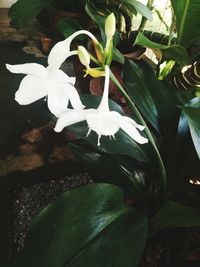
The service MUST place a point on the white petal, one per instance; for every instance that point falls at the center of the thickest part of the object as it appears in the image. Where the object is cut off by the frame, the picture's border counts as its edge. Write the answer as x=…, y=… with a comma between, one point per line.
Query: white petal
x=71, y=117
x=58, y=53
x=74, y=97
x=28, y=68
x=59, y=76
x=130, y=129
x=140, y=127
x=57, y=99
x=30, y=90
x=59, y=95
x=104, y=123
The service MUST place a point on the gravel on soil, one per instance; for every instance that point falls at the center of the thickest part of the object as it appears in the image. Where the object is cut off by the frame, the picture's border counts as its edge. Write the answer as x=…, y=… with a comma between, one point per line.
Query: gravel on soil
x=27, y=202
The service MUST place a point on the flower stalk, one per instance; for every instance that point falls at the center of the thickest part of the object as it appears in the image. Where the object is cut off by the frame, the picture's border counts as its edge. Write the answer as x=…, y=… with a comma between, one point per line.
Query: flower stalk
x=146, y=130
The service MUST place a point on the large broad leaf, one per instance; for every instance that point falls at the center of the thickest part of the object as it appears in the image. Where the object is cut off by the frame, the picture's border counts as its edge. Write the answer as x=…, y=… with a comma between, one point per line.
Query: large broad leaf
x=89, y=226
x=22, y=11
x=116, y=169
x=177, y=53
x=193, y=116
x=139, y=92
x=187, y=19
x=173, y=215
x=157, y=103
x=155, y=99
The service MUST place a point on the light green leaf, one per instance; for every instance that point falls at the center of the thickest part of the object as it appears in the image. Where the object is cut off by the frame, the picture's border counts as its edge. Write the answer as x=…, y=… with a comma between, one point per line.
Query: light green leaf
x=173, y=215
x=187, y=20
x=88, y=226
x=118, y=56
x=140, y=8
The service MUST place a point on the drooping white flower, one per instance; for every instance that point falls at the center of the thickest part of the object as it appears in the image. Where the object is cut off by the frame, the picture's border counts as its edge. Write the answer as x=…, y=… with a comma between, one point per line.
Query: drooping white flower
x=51, y=81
x=102, y=120
x=40, y=82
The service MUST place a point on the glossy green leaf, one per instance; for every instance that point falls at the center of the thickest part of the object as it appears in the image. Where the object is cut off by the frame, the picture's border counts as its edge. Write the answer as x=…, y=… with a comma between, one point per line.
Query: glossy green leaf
x=139, y=92
x=185, y=161
x=116, y=169
x=173, y=215
x=140, y=8
x=88, y=226
x=155, y=99
x=23, y=11
x=187, y=19
x=193, y=115
x=177, y=53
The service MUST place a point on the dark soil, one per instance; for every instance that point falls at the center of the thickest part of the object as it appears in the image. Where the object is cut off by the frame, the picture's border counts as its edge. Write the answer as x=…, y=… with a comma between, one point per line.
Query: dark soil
x=27, y=202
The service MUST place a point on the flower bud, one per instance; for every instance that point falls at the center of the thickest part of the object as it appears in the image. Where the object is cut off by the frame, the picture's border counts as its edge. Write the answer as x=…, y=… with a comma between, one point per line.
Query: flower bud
x=84, y=56
x=110, y=25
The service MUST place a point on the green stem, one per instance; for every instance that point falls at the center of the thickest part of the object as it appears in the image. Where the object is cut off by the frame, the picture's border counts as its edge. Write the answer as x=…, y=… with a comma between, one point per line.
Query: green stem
x=144, y=20
x=94, y=60
x=146, y=130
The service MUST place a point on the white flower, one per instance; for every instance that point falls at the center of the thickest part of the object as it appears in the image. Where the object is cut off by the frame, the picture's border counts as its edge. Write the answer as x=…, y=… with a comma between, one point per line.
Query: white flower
x=102, y=120
x=40, y=82
x=51, y=81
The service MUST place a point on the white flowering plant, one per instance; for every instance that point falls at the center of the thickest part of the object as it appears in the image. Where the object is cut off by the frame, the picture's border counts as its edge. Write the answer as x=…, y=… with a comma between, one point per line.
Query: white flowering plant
x=140, y=162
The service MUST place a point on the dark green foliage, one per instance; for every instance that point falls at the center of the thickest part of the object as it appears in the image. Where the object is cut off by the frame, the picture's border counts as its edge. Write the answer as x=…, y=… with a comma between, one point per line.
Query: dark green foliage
x=136, y=188
x=173, y=215
x=104, y=225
